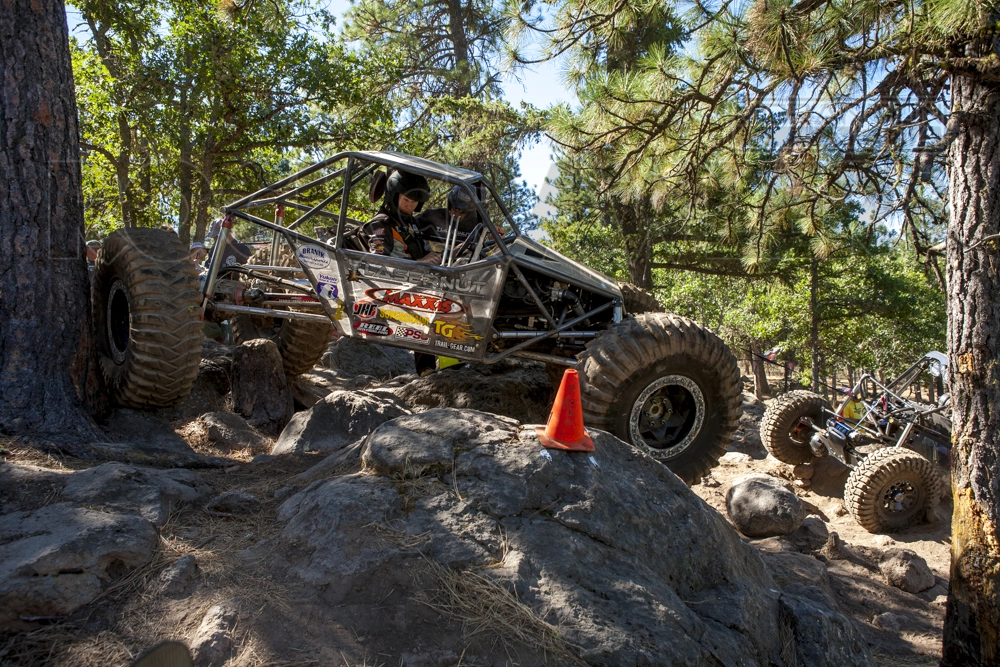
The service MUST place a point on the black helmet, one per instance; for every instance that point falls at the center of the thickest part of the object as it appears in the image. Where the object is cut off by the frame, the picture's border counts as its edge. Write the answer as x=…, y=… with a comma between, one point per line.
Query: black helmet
x=461, y=200
x=411, y=185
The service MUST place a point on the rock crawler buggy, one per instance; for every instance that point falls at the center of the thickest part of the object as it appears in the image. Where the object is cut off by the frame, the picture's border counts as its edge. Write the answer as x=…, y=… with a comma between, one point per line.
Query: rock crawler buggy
x=897, y=450
x=659, y=381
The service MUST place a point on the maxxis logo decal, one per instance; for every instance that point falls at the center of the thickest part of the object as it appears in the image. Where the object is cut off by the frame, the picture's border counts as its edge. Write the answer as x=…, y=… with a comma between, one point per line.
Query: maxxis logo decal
x=427, y=303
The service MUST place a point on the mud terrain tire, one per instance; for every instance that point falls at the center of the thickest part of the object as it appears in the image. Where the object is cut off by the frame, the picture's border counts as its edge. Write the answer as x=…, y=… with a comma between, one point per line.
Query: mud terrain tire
x=890, y=488
x=783, y=435
x=300, y=343
x=147, y=317
x=654, y=369
x=637, y=300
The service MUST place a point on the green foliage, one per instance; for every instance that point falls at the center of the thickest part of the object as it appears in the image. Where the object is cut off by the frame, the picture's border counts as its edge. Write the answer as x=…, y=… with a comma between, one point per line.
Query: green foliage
x=183, y=107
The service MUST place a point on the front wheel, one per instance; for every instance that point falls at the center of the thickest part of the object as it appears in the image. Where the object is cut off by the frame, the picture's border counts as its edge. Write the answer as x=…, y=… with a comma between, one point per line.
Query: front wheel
x=890, y=489
x=666, y=385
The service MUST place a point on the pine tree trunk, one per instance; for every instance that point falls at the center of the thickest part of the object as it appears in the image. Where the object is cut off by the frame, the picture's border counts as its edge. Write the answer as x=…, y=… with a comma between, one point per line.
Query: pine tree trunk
x=46, y=357
x=972, y=621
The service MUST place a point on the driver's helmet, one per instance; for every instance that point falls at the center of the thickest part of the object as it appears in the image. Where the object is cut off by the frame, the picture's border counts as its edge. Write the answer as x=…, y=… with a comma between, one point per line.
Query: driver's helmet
x=460, y=200
x=411, y=185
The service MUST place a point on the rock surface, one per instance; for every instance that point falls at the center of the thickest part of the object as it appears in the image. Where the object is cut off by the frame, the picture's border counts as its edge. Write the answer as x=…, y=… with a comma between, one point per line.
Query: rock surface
x=151, y=493
x=905, y=570
x=259, y=388
x=476, y=494
x=353, y=357
x=180, y=578
x=58, y=558
x=212, y=644
x=337, y=420
x=515, y=388
x=231, y=432
x=761, y=506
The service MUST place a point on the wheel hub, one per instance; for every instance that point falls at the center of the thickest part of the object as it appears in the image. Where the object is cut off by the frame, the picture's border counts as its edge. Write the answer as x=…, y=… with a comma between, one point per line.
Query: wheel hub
x=119, y=321
x=901, y=496
x=667, y=416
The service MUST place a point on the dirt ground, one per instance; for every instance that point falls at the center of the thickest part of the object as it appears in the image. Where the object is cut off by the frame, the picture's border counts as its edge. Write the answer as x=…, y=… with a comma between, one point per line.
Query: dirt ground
x=903, y=629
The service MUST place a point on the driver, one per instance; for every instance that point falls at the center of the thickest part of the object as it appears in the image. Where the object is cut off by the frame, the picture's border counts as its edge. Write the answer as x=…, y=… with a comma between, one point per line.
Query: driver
x=394, y=231
x=434, y=224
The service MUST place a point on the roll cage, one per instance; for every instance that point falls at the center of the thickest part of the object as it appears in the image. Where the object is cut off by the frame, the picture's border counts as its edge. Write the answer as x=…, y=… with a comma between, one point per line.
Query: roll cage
x=548, y=304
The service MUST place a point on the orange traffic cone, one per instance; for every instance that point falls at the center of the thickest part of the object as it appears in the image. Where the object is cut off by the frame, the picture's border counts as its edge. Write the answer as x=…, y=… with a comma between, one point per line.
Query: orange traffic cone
x=564, y=429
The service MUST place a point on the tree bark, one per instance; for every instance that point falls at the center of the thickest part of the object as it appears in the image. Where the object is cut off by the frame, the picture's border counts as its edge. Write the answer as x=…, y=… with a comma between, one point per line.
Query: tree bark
x=46, y=354
x=972, y=620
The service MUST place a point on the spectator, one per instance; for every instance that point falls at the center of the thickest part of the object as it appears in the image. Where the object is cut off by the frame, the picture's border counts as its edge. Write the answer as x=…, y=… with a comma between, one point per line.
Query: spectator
x=93, y=246
x=198, y=252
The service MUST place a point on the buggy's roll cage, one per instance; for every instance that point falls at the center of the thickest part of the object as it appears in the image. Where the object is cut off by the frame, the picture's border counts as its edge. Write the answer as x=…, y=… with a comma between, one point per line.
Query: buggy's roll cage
x=290, y=193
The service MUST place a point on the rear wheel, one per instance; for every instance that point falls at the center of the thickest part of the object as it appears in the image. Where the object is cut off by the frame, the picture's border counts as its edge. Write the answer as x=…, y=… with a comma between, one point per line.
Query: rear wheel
x=785, y=431
x=147, y=317
x=301, y=343
x=890, y=489
x=666, y=385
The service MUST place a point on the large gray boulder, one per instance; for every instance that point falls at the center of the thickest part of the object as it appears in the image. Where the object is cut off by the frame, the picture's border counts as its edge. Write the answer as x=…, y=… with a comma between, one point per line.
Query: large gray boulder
x=351, y=356
x=761, y=506
x=610, y=548
x=259, y=387
x=153, y=494
x=338, y=420
x=58, y=558
x=906, y=570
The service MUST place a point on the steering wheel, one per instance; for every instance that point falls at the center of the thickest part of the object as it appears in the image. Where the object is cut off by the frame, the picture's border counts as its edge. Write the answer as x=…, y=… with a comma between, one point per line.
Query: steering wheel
x=467, y=243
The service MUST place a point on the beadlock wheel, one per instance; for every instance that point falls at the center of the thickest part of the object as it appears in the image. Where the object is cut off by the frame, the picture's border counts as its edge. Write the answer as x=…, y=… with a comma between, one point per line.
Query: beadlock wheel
x=666, y=385
x=668, y=415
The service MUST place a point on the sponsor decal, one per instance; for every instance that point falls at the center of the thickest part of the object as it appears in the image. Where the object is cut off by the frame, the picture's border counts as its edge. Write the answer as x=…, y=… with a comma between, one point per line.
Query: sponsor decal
x=365, y=309
x=411, y=334
x=327, y=277
x=373, y=328
x=419, y=301
x=327, y=290
x=455, y=331
x=313, y=256
x=455, y=347
x=418, y=276
x=403, y=316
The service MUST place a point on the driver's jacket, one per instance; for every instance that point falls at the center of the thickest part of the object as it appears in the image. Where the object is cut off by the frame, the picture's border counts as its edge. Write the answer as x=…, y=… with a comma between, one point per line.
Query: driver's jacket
x=393, y=238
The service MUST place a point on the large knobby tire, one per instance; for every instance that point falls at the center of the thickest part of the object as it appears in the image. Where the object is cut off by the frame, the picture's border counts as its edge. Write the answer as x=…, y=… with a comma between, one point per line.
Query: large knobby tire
x=147, y=317
x=301, y=343
x=637, y=300
x=783, y=430
x=666, y=385
x=890, y=489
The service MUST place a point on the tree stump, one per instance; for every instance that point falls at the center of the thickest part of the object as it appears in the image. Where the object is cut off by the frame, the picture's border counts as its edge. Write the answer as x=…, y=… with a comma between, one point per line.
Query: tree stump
x=260, y=389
